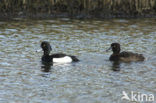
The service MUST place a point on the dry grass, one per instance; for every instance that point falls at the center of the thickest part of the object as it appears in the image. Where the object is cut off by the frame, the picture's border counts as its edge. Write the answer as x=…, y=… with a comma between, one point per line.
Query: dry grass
x=76, y=7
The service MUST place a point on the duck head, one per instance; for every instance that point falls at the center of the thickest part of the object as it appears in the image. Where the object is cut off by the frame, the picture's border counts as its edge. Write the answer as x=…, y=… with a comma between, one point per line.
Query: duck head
x=115, y=48
x=46, y=47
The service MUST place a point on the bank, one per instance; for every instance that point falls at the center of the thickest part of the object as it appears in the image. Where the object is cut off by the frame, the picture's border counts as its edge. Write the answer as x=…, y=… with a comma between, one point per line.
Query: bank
x=77, y=8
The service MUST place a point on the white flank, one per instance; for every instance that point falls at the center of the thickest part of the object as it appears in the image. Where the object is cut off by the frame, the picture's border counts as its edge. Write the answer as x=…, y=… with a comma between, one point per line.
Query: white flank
x=65, y=59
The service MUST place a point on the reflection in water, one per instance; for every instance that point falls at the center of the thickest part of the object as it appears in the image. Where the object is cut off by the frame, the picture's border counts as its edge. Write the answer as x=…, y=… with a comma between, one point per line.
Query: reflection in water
x=89, y=81
x=46, y=67
x=116, y=66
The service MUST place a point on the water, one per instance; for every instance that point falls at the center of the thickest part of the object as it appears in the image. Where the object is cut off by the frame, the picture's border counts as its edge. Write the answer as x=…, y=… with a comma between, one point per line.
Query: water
x=24, y=79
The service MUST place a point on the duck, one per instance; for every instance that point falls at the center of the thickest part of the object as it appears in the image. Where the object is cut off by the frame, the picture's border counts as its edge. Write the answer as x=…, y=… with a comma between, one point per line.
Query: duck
x=55, y=58
x=124, y=56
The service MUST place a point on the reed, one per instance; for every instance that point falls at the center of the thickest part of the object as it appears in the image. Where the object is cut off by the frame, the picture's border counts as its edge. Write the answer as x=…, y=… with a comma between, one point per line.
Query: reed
x=78, y=7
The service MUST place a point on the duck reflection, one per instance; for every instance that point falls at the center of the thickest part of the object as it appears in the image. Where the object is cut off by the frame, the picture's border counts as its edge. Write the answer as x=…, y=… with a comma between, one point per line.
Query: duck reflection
x=116, y=66
x=46, y=67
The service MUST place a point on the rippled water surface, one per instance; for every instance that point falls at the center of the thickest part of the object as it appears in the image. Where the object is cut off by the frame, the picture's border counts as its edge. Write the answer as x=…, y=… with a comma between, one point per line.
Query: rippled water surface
x=24, y=79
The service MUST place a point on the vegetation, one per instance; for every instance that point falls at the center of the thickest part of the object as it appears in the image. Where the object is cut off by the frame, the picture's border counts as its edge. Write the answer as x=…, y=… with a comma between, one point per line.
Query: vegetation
x=77, y=8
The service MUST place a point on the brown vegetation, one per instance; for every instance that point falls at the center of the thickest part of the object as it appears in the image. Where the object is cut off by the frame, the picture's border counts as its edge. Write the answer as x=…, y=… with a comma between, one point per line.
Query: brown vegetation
x=78, y=8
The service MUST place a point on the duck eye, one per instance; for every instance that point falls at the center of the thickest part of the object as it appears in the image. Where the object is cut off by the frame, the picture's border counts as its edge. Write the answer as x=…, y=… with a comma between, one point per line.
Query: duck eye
x=43, y=45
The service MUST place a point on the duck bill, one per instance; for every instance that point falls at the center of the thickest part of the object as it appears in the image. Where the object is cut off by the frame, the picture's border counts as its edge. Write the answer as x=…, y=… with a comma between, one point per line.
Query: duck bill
x=108, y=49
x=39, y=50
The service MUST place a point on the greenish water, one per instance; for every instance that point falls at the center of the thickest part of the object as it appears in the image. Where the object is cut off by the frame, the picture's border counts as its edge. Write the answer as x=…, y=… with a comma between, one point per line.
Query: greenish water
x=24, y=79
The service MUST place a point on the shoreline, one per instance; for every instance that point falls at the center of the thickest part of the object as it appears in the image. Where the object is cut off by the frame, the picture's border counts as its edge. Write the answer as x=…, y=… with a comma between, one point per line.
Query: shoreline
x=78, y=9
x=66, y=15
